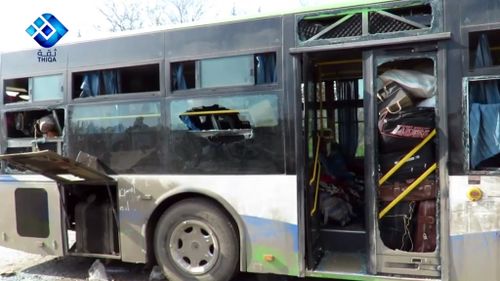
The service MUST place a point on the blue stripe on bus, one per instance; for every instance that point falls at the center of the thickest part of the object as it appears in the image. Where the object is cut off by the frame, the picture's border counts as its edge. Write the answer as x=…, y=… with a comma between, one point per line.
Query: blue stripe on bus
x=261, y=230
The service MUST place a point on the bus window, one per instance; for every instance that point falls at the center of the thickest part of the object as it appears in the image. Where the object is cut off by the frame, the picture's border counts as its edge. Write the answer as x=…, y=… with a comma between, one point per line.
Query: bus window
x=125, y=137
x=484, y=124
x=484, y=49
x=245, y=70
x=124, y=80
x=228, y=71
x=35, y=123
x=220, y=135
x=40, y=88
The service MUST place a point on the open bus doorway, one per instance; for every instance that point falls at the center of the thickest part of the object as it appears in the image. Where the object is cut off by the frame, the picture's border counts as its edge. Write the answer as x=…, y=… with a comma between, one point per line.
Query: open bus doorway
x=359, y=219
x=335, y=148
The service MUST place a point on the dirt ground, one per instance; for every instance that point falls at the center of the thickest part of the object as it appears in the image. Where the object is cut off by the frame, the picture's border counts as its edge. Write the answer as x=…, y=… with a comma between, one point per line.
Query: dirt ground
x=19, y=266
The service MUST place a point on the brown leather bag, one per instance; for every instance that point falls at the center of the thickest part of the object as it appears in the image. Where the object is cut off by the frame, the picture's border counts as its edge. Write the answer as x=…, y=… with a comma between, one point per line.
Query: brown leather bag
x=425, y=191
x=425, y=232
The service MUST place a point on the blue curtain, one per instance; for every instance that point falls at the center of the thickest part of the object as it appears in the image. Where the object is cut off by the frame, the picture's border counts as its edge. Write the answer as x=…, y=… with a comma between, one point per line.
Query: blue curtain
x=189, y=123
x=90, y=85
x=348, y=117
x=179, y=81
x=111, y=83
x=105, y=82
x=265, y=69
x=484, y=114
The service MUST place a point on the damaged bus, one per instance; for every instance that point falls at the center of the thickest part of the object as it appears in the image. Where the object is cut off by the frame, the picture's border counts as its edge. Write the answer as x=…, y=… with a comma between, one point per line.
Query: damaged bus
x=355, y=142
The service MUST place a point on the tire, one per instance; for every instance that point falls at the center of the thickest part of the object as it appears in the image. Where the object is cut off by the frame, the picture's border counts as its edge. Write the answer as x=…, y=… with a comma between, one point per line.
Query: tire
x=195, y=240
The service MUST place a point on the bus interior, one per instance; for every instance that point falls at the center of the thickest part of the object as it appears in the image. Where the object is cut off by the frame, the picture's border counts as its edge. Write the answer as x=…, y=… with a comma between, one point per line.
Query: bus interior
x=341, y=200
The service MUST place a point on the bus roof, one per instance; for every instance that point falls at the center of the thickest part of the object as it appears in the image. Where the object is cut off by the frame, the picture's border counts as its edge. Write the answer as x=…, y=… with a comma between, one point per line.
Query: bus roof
x=336, y=4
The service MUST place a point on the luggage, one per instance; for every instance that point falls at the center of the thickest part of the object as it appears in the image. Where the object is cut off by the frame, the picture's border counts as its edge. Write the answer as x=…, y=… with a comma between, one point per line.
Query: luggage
x=396, y=226
x=96, y=230
x=392, y=98
x=413, y=168
x=404, y=130
x=426, y=190
x=425, y=232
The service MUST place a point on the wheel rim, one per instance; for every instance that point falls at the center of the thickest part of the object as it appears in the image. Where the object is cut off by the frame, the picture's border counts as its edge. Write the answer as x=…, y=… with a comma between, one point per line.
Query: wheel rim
x=194, y=247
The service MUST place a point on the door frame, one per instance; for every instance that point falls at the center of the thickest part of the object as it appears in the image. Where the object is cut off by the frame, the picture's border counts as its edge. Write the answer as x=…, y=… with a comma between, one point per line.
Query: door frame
x=371, y=59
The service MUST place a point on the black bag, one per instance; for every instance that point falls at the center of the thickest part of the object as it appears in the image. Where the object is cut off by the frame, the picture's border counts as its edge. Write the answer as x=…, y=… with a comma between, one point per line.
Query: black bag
x=413, y=168
x=404, y=130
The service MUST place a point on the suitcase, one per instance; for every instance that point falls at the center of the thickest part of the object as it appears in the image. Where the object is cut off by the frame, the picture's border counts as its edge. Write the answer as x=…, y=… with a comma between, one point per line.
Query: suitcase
x=404, y=130
x=413, y=168
x=397, y=226
x=393, y=98
x=425, y=233
x=426, y=190
x=95, y=228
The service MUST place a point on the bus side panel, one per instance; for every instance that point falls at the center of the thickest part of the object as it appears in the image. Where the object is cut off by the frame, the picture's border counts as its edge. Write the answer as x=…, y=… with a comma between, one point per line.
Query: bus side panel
x=475, y=228
x=265, y=208
x=30, y=216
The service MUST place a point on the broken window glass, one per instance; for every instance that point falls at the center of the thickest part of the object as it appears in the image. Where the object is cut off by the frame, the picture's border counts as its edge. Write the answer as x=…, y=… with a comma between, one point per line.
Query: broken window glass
x=233, y=134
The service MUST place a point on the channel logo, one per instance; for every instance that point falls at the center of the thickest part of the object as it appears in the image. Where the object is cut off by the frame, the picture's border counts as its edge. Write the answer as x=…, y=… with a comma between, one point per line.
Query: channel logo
x=47, y=30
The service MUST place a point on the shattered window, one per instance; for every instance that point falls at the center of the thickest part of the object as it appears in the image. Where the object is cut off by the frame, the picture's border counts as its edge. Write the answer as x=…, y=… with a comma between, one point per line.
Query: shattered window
x=234, y=134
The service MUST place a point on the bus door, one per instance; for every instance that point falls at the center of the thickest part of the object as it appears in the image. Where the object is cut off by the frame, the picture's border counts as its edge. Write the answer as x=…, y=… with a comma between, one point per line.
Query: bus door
x=334, y=157
x=32, y=205
x=404, y=86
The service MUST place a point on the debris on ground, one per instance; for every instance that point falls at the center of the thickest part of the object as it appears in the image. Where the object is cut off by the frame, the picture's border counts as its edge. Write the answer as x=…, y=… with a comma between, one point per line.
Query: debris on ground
x=156, y=274
x=7, y=274
x=97, y=272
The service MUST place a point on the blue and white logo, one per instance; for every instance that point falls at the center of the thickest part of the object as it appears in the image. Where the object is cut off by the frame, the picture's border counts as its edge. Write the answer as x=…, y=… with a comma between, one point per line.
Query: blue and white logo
x=47, y=30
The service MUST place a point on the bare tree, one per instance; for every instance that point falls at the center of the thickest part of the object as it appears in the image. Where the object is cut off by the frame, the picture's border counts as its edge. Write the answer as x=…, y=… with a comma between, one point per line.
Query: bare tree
x=122, y=15
x=182, y=11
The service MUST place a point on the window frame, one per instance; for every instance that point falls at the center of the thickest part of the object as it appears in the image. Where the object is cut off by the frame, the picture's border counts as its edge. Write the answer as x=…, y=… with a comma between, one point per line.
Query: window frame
x=31, y=102
x=118, y=96
x=223, y=89
x=281, y=109
x=466, y=133
x=470, y=71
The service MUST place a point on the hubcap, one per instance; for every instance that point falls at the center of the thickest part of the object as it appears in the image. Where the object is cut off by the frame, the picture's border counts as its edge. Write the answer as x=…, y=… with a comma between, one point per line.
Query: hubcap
x=194, y=247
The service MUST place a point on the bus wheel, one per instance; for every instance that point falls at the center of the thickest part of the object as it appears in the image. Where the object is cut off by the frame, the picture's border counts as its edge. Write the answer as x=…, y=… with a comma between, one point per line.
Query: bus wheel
x=195, y=240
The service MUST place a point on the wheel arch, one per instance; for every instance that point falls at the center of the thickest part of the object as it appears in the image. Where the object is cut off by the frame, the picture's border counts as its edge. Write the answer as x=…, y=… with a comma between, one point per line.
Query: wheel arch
x=164, y=202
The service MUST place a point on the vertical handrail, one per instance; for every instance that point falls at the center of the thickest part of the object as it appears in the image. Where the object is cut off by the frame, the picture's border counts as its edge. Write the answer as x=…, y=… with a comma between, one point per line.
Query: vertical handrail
x=316, y=194
x=316, y=160
x=317, y=165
